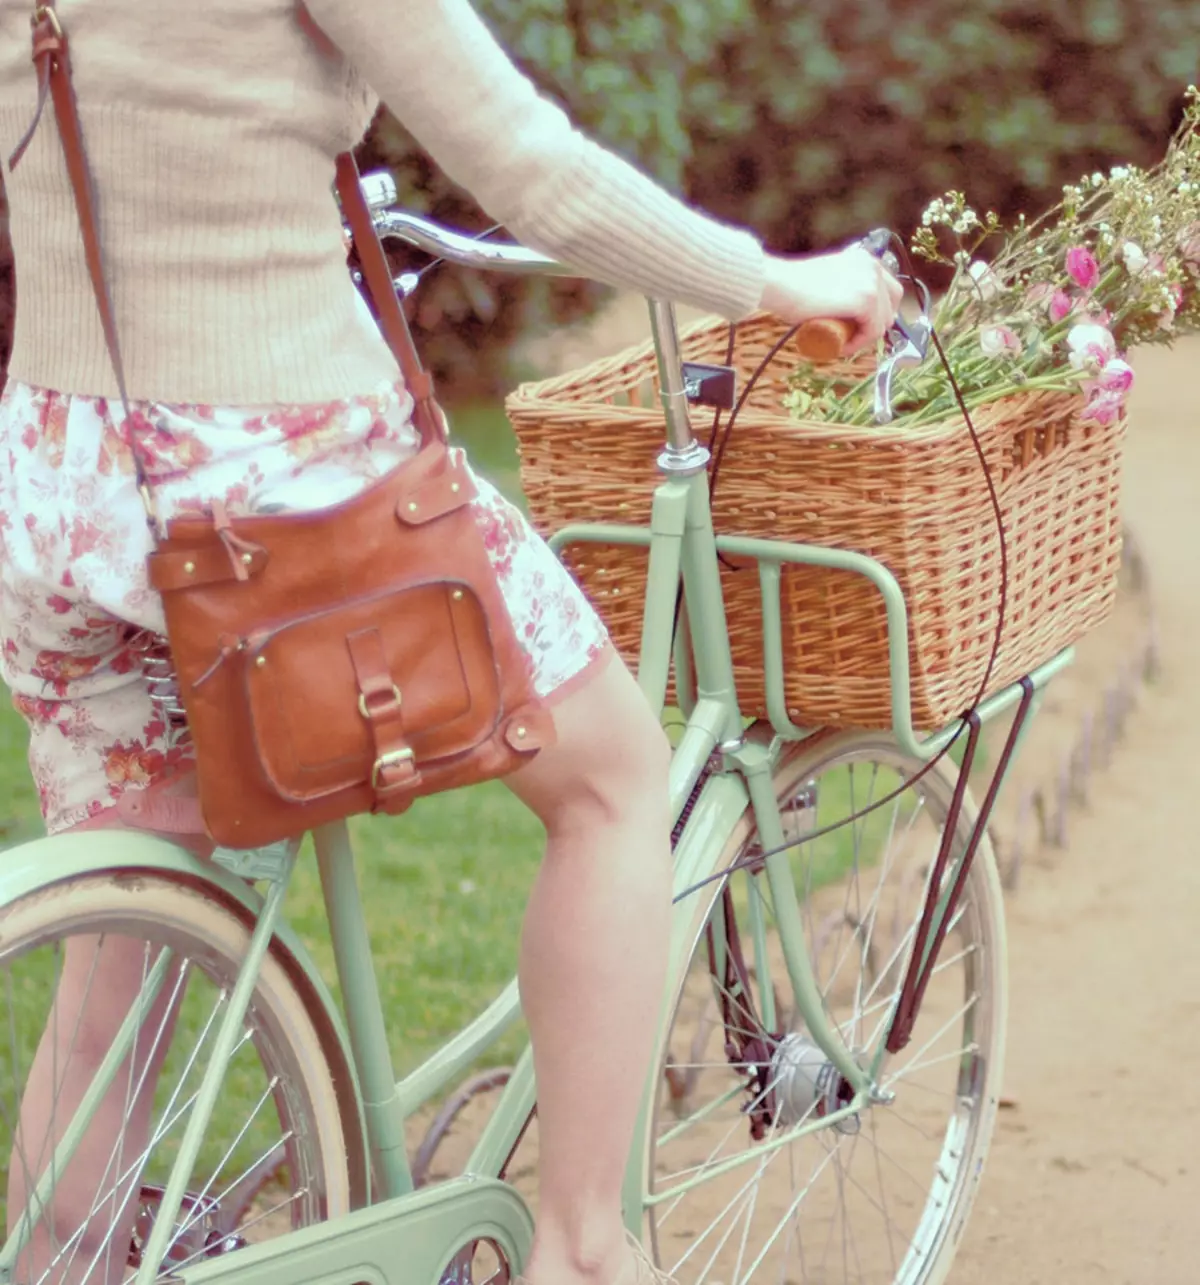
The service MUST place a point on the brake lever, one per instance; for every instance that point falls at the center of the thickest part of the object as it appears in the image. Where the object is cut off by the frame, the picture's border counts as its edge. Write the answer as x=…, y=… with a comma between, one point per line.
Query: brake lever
x=907, y=340
x=908, y=345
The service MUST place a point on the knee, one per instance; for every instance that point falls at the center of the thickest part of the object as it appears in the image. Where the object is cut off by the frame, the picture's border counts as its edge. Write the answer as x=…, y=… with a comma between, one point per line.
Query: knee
x=621, y=781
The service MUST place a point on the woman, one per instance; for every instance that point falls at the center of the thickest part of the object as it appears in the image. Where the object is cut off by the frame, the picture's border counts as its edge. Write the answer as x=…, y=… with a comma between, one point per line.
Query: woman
x=211, y=131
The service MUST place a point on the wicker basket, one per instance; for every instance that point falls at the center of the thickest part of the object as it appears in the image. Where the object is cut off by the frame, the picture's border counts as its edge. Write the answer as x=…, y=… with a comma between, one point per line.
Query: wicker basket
x=913, y=498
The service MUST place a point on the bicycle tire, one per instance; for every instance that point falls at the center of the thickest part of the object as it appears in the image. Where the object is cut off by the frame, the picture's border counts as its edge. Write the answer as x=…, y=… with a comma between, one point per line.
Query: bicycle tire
x=688, y=1249
x=318, y=1146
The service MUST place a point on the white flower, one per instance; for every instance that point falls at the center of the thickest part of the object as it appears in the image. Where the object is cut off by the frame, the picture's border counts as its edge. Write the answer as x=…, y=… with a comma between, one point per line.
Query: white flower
x=1104, y=408
x=1091, y=345
x=935, y=212
x=986, y=281
x=1134, y=257
x=995, y=341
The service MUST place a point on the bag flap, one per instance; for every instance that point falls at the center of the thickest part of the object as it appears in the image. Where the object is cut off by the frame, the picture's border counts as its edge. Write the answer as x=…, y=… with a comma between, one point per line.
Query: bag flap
x=313, y=733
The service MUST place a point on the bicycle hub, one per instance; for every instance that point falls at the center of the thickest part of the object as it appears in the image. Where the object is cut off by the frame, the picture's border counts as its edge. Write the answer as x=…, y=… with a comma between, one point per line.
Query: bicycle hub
x=807, y=1085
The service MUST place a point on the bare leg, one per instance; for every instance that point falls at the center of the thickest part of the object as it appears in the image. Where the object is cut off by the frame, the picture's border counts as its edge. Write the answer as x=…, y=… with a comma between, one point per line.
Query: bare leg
x=593, y=965
x=99, y=983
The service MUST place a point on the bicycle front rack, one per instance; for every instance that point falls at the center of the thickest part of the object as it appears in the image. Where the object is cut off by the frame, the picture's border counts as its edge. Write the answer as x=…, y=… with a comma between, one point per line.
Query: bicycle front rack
x=940, y=903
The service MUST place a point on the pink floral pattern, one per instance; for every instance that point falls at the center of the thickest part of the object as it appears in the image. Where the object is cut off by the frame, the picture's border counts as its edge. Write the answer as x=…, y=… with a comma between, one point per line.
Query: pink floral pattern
x=73, y=542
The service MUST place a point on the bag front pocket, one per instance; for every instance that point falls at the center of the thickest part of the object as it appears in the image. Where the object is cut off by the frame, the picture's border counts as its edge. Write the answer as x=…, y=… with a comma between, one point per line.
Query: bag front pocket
x=406, y=676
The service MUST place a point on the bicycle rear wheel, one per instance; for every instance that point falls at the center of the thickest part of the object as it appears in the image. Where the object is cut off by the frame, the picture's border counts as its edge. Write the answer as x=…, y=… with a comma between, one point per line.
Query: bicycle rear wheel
x=278, y=1152
x=732, y=1192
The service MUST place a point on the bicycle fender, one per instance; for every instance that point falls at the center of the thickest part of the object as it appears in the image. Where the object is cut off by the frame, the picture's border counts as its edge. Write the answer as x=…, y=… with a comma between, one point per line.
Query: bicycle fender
x=41, y=863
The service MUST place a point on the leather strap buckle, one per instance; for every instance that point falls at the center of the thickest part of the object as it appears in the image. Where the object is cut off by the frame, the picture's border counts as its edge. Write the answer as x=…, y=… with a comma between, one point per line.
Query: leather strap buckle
x=148, y=502
x=393, y=758
x=370, y=712
x=46, y=13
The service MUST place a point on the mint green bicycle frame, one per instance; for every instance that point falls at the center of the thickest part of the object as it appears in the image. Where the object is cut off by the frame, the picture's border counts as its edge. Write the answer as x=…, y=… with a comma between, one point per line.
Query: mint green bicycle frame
x=716, y=769
x=683, y=546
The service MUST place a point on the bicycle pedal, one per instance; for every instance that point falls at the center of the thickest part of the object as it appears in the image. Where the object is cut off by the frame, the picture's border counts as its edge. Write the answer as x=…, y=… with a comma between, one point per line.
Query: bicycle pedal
x=705, y=385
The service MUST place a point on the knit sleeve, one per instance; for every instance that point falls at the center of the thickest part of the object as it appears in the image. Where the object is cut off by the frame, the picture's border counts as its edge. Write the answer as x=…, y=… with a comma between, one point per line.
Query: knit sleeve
x=442, y=73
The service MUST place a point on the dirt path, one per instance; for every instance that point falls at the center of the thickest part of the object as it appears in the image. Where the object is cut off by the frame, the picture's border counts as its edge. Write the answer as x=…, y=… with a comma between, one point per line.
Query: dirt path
x=1095, y=1175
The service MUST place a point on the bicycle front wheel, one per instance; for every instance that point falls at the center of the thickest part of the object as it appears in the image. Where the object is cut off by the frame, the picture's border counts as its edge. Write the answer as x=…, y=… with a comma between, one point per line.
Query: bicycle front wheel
x=120, y=979
x=736, y=1187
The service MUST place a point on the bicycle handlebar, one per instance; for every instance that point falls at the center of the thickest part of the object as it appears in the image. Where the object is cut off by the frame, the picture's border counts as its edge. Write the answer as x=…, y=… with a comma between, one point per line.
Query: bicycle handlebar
x=457, y=247
x=818, y=340
x=823, y=338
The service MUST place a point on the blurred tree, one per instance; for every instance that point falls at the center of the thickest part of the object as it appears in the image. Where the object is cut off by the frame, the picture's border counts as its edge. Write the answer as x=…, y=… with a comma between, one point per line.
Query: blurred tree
x=839, y=115
x=627, y=71
x=809, y=120
x=814, y=120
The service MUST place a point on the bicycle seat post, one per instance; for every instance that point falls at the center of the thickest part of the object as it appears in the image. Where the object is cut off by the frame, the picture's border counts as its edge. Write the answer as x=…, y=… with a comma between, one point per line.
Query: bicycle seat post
x=683, y=455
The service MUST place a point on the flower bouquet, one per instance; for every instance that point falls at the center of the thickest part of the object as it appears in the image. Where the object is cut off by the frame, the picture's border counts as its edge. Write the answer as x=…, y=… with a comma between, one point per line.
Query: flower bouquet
x=1057, y=302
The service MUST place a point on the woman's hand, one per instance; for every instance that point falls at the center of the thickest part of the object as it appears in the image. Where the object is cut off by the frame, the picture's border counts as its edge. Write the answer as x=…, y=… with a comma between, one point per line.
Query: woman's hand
x=846, y=285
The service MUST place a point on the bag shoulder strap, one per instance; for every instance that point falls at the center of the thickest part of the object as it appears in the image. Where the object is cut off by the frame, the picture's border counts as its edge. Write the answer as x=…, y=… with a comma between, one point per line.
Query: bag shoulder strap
x=52, y=62
x=427, y=414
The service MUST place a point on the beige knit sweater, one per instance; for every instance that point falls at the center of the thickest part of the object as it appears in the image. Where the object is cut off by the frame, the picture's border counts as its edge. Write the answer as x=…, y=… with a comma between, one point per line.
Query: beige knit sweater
x=212, y=126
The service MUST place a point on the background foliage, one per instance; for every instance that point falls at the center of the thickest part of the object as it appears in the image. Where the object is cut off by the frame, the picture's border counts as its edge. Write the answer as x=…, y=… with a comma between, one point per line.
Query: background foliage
x=810, y=120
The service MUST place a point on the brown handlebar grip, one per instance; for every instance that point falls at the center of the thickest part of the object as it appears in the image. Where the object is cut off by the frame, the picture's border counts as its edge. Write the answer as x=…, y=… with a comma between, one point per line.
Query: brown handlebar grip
x=823, y=338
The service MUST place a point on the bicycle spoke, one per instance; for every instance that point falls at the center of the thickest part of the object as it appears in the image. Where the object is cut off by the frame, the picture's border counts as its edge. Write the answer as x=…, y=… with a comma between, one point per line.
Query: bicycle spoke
x=97, y=1157
x=841, y=1209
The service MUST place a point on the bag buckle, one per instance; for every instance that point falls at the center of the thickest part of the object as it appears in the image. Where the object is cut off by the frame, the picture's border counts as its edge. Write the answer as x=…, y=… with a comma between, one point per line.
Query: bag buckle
x=149, y=503
x=392, y=758
x=46, y=13
x=370, y=714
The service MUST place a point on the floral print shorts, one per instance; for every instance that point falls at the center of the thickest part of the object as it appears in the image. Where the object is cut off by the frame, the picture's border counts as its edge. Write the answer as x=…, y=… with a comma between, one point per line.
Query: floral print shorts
x=75, y=605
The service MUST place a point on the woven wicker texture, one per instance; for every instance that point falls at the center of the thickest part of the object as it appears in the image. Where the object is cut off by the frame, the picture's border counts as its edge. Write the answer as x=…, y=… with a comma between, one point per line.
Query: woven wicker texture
x=914, y=498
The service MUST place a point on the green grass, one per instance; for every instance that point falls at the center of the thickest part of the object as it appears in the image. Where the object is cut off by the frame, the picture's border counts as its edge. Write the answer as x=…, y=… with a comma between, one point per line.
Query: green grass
x=486, y=433
x=444, y=889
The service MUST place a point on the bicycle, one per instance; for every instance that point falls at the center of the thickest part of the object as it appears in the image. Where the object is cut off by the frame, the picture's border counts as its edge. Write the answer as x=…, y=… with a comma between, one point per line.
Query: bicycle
x=785, y=1024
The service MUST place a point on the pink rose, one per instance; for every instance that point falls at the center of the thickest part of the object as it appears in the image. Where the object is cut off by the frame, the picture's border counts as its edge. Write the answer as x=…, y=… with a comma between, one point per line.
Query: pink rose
x=1104, y=408
x=998, y=341
x=1083, y=268
x=1116, y=376
x=1061, y=305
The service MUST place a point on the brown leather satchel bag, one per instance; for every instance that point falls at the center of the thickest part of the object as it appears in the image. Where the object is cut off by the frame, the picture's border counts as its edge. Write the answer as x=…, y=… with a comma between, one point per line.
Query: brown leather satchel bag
x=345, y=660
